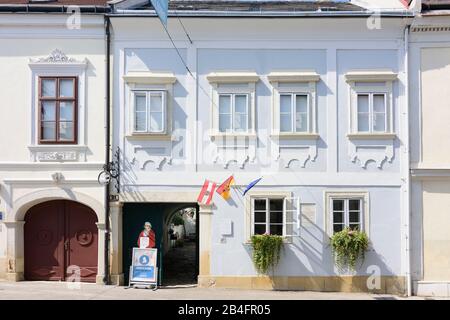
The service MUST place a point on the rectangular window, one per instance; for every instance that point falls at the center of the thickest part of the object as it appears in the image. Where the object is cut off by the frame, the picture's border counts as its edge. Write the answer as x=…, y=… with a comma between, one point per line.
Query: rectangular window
x=58, y=110
x=294, y=112
x=371, y=110
x=233, y=112
x=268, y=216
x=346, y=213
x=149, y=111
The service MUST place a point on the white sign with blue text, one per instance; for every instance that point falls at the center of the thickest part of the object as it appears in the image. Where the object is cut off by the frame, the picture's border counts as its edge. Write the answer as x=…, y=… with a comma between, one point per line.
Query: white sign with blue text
x=143, y=267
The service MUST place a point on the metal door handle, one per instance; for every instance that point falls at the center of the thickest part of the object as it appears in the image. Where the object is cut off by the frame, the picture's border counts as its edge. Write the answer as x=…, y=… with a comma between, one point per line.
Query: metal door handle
x=66, y=245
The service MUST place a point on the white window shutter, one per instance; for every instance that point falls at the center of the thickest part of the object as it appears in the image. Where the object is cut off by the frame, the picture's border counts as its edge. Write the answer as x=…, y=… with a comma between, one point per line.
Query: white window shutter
x=291, y=217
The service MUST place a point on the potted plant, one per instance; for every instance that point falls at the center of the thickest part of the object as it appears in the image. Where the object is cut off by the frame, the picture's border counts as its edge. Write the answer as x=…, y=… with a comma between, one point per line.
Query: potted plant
x=266, y=251
x=348, y=247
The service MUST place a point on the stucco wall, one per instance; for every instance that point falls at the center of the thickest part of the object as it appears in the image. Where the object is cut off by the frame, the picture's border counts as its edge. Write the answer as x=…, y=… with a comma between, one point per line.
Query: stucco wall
x=429, y=102
x=265, y=46
x=25, y=178
x=435, y=67
x=436, y=224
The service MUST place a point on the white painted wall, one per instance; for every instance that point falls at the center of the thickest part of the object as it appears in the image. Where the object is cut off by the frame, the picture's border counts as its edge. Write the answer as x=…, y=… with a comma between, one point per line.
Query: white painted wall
x=331, y=47
x=24, y=179
x=430, y=69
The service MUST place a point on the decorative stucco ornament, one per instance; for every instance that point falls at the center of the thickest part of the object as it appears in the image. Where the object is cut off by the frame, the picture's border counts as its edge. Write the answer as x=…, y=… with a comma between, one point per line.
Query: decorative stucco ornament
x=56, y=56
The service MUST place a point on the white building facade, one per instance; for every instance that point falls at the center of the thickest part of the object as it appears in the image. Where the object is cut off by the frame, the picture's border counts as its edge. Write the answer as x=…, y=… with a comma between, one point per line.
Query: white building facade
x=430, y=184
x=316, y=107
x=52, y=132
x=337, y=109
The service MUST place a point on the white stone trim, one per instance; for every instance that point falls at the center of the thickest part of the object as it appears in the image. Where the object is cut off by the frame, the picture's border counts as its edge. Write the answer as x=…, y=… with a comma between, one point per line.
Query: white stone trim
x=371, y=146
x=232, y=77
x=143, y=77
x=22, y=204
x=305, y=148
x=141, y=142
x=248, y=207
x=329, y=195
x=233, y=147
x=370, y=75
x=59, y=153
x=292, y=76
x=57, y=63
x=372, y=136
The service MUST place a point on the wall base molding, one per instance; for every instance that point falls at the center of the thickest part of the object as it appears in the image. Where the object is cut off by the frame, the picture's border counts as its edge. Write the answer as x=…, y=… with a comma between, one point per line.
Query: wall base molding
x=388, y=284
x=432, y=288
x=117, y=279
x=14, y=276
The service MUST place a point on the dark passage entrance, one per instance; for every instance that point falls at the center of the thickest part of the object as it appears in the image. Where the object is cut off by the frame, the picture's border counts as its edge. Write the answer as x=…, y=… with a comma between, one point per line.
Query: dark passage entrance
x=160, y=215
x=181, y=257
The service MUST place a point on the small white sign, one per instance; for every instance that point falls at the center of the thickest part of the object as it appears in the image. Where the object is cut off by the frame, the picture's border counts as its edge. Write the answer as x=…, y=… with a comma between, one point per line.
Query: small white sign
x=144, y=242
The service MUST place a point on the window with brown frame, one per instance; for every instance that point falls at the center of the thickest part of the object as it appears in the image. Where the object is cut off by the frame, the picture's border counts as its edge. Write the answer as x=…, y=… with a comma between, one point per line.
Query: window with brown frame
x=58, y=106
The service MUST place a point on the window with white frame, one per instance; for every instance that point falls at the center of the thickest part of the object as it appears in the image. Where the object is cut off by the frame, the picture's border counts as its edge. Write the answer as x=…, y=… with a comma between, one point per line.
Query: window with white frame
x=371, y=112
x=149, y=112
x=346, y=213
x=294, y=113
x=233, y=105
x=268, y=216
x=276, y=215
x=371, y=102
x=233, y=112
x=294, y=103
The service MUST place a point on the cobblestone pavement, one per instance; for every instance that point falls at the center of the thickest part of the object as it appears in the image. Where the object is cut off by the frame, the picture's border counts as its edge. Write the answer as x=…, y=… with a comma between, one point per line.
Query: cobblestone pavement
x=38, y=290
x=179, y=265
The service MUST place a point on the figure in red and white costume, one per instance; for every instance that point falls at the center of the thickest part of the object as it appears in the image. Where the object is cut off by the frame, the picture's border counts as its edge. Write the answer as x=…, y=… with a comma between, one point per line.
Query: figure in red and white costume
x=147, y=237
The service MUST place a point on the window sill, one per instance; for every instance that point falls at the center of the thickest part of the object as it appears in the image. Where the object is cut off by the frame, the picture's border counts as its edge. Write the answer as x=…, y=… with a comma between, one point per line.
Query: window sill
x=55, y=146
x=286, y=240
x=58, y=152
x=305, y=136
x=371, y=136
x=150, y=136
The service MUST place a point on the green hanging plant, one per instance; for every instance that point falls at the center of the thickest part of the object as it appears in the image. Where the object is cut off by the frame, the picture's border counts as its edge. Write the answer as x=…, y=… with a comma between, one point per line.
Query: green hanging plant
x=177, y=220
x=266, y=251
x=348, y=247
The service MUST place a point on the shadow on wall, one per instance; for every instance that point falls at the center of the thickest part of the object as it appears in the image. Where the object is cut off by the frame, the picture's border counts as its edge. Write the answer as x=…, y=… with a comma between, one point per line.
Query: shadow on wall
x=303, y=259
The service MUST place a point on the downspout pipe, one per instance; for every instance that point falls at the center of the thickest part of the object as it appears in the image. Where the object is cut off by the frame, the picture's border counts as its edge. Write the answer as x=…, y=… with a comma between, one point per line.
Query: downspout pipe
x=106, y=279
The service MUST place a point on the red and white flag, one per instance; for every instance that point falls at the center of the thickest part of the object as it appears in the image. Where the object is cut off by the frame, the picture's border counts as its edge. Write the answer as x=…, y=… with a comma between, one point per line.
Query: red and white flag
x=206, y=193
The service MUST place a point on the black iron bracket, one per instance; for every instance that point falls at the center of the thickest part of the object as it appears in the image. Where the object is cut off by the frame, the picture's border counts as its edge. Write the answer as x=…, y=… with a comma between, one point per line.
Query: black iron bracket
x=111, y=171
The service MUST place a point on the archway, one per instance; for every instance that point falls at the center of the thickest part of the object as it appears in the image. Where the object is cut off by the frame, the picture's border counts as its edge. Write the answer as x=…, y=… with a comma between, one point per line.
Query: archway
x=181, y=254
x=159, y=214
x=61, y=242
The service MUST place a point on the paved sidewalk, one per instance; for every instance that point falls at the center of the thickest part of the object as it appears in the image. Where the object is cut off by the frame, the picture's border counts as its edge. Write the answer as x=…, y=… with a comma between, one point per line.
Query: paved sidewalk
x=65, y=291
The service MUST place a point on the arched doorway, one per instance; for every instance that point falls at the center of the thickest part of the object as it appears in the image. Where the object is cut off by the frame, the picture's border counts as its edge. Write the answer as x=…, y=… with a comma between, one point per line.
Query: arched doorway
x=61, y=242
x=181, y=255
x=159, y=215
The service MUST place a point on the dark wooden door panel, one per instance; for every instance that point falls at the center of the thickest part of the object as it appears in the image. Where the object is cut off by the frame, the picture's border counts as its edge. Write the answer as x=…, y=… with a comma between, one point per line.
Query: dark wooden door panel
x=82, y=236
x=44, y=242
x=61, y=242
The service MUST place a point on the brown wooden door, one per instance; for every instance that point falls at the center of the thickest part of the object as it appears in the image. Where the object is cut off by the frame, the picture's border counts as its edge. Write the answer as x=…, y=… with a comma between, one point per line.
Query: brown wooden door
x=61, y=241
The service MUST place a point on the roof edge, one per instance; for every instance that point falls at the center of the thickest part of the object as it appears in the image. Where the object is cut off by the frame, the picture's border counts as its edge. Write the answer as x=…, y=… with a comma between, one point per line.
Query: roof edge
x=41, y=8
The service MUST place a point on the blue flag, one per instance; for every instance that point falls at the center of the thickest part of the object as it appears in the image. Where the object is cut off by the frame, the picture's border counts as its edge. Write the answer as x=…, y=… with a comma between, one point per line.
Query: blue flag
x=251, y=185
x=162, y=9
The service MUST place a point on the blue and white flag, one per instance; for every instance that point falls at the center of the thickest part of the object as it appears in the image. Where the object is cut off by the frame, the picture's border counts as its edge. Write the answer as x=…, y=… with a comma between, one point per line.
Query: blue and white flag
x=162, y=9
x=251, y=185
